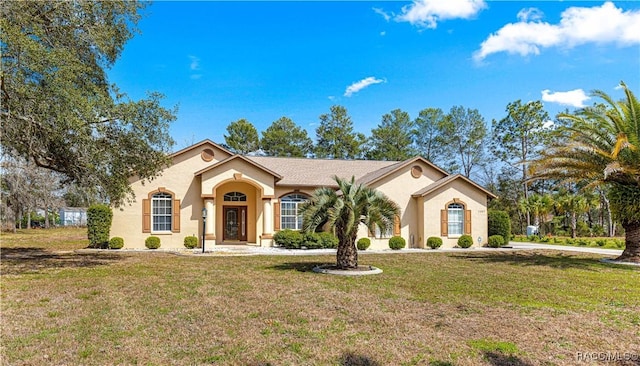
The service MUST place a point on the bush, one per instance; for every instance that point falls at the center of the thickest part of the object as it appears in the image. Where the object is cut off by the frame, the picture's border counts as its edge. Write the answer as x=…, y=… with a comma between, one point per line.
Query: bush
x=289, y=239
x=328, y=240
x=499, y=224
x=397, y=242
x=597, y=230
x=496, y=241
x=583, y=242
x=152, y=242
x=465, y=241
x=98, y=225
x=116, y=243
x=434, y=242
x=363, y=243
x=601, y=242
x=583, y=229
x=311, y=241
x=190, y=242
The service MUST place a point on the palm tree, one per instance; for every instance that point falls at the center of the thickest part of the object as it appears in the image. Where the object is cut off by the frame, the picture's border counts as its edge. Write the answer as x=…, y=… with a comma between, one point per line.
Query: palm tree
x=344, y=210
x=573, y=205
x=600, y=145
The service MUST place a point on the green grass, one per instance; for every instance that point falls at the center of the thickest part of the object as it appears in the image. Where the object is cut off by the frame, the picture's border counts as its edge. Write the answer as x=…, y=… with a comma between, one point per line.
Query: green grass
x=538, y=307
x=603, y=243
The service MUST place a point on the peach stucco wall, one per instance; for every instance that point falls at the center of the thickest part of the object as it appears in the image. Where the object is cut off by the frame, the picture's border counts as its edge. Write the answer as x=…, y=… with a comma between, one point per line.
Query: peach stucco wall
x=399, y=187
x=474, y=199
x=178, y=178
x=420, y=217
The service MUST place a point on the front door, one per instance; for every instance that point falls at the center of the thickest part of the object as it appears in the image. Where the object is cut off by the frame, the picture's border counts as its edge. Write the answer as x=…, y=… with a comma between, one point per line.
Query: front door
x=235, y=223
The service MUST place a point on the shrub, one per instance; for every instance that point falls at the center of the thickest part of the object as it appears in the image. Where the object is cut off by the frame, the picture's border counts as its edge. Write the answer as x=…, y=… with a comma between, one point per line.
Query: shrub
x=496, y=241
x=152, y=242
x=116, y=243
x=597, y=230
x=499, y=224
x=583, y=242
x=289, y=239
x=434, y=242
x=328, y=240
x=465, y=241
x=583, y=229
x=98, y=225
x=570, y=241
x=397, y=242
x=619, y=243
x=601, y=242
x=190, y=242
x=311, y=241
x=363, y=243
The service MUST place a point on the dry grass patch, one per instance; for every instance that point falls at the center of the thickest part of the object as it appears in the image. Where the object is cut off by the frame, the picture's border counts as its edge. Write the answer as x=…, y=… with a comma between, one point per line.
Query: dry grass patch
x=524, y=308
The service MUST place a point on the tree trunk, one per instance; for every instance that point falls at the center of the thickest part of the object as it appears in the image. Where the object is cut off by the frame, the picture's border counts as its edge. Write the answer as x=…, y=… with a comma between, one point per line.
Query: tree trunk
x=611, y=230
x=631, y=252
x=29, y=219
x=347, y=255
x=46, y=218
x=574, y=224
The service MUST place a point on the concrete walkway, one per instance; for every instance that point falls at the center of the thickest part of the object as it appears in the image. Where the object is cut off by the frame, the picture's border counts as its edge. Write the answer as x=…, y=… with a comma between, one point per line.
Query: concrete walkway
x=530, y=246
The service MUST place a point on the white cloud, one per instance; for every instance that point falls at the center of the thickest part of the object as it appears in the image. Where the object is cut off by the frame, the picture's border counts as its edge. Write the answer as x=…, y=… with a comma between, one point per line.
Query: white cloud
x=533, y=14
x=427, y=13
x=359, y=85
x=383, y=13
x=383, y=33
x=578, y=25
x=573, y=98
x=195, y=63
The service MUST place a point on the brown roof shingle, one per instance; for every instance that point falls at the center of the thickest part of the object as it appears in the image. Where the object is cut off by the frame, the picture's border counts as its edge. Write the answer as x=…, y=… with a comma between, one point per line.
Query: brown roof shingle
x=318, y=172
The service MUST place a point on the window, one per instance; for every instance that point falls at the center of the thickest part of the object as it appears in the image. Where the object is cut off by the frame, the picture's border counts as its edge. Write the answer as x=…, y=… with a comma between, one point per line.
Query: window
x=161, y=212
x=455, y=219
x=289, y=215
x=235, y=197
x=386, y=234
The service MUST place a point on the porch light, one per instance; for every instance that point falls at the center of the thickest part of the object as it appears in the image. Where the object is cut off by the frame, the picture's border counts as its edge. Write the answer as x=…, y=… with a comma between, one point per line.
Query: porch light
x=204, y=223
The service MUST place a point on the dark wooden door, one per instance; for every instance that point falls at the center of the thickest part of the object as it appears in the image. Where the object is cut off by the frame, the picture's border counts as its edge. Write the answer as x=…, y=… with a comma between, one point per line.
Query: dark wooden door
x=235, y=223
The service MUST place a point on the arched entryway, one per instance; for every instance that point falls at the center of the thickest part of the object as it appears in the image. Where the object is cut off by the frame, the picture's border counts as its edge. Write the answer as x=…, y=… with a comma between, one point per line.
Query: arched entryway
x=238, y=212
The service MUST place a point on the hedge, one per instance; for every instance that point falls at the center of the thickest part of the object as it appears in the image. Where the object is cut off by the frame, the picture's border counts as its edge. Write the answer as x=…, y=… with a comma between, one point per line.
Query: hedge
x=499, y=224
x=98, y=225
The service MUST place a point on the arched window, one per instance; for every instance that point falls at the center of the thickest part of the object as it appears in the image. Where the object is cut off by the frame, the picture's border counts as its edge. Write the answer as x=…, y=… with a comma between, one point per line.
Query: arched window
x=290, y=217
x=455, y=218
x=235, y=197
x=161, y=212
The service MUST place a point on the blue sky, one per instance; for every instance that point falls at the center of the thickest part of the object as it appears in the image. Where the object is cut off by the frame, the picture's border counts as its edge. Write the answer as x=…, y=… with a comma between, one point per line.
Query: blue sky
x=222, y=61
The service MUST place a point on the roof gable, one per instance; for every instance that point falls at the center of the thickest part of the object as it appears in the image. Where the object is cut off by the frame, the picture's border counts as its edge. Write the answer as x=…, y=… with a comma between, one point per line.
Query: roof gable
x=446, y=180
x=239, y=157
x=198, y=145
x=377, y=175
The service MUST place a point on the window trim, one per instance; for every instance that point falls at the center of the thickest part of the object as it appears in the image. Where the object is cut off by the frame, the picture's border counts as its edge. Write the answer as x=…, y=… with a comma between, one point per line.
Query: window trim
x=147, y=207
x=301, y=198
x=444, y=220
x=167, y=200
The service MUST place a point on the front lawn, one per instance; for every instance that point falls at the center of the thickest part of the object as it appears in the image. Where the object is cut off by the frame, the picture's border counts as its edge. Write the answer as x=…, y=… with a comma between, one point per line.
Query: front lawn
x=493, y=308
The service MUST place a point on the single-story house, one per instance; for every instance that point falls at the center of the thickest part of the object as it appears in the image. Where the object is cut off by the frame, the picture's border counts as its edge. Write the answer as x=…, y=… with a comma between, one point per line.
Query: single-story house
x=249, y=198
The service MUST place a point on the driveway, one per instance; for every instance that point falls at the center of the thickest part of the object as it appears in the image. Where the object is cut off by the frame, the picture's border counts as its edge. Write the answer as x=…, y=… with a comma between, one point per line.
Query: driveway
x=518, y=245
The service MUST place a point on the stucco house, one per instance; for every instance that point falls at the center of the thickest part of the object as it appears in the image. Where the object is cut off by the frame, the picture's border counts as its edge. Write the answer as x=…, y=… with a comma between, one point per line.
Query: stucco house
x=249, y=198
